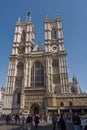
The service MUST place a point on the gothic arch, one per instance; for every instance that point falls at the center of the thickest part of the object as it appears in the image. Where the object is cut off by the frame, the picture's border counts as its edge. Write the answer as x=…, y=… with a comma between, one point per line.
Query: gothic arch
x=20, y=65
x=37, y=74
x=62, y=104
x=53, y=33
x=55, y=69
x=35, y=108
x=20, y=69
x=17, y=96
x=70, y=103
x=23, y=37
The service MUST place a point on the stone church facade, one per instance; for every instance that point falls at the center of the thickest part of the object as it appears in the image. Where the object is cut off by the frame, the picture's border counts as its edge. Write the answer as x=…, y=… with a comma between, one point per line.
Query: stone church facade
x=38, y=78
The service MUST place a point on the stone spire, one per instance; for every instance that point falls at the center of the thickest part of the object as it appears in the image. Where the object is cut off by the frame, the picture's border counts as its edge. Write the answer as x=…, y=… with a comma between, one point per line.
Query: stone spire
x=29, y=16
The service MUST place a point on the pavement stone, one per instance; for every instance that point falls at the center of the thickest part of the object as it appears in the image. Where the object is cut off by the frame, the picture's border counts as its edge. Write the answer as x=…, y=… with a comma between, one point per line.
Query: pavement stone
x=42, y=126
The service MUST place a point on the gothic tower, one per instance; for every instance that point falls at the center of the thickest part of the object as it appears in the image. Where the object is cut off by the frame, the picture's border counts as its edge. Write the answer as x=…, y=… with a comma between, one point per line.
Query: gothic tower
x=56, y=60
x=23, y=44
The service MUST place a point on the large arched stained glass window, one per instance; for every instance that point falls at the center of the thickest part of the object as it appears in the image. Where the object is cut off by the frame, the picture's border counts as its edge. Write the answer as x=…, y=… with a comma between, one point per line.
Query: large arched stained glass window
x=37, y=74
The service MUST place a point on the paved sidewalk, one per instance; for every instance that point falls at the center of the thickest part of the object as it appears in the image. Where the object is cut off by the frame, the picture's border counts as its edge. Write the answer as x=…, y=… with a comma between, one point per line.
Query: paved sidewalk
x=9, y=127
x=42, y=126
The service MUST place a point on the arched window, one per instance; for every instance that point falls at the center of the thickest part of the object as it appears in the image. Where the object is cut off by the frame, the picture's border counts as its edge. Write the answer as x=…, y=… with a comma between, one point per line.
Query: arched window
x=70, y=103
x=53, y=33
x=55, y=63
x=17, y=97
x=21, y=49
x=20, y=69
x=23, y=36
x=20, y=66
x=37, y=74
x=61, y=104
x=36, y=110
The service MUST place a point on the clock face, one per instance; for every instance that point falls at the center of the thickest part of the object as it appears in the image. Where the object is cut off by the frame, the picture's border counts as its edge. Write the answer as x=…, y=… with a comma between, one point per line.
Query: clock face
x=54, y=48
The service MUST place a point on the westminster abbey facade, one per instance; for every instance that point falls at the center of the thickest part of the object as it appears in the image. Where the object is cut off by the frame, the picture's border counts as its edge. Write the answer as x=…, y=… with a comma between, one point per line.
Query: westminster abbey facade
x=37, y=79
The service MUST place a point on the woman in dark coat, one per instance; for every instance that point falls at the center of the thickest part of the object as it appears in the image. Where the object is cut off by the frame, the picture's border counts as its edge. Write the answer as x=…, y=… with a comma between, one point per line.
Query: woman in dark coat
x=36, y=120
x=62, y=123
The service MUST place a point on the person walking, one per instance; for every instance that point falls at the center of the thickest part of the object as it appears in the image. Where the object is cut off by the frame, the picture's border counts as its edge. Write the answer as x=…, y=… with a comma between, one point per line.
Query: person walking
x=36, y=120
x=29, y=122
x=76, y=121
x=62, y=123
x=58, y=121
x=54, y=120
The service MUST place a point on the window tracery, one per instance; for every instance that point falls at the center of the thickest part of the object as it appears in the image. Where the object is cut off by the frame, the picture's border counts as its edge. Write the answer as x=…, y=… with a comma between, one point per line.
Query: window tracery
x=37, y=74
x=53, y=33
x=20, y=66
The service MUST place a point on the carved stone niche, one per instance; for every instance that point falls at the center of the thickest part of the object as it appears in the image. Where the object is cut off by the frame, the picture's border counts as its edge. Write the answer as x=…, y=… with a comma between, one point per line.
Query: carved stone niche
x=57, y=89
x=18, y=81
x=56, y=79
x=21, y=49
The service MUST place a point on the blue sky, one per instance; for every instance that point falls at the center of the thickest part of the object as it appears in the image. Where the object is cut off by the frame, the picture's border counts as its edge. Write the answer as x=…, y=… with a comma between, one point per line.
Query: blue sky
x=74, y=20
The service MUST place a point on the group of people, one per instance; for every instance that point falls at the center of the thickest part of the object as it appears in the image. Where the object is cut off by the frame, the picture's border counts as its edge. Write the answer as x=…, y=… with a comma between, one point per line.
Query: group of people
x=59, y=121
x=10, y=117
x=30, y=119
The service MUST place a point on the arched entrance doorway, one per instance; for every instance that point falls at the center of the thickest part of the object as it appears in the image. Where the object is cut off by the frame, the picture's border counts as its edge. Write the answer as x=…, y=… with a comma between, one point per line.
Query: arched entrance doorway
x=35, y=108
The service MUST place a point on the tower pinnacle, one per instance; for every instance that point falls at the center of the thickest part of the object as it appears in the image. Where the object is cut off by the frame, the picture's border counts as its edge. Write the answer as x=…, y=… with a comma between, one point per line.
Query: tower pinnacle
x=29, y=15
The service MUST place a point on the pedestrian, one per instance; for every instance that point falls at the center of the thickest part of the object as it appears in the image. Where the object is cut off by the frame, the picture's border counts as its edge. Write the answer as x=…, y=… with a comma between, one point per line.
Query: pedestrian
x=36, y=120
x=58, y=121
x=17, y=118
x=62, y=123
x=54, y=120
x=7, y=120
x=76, y=121
x=29, y=122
